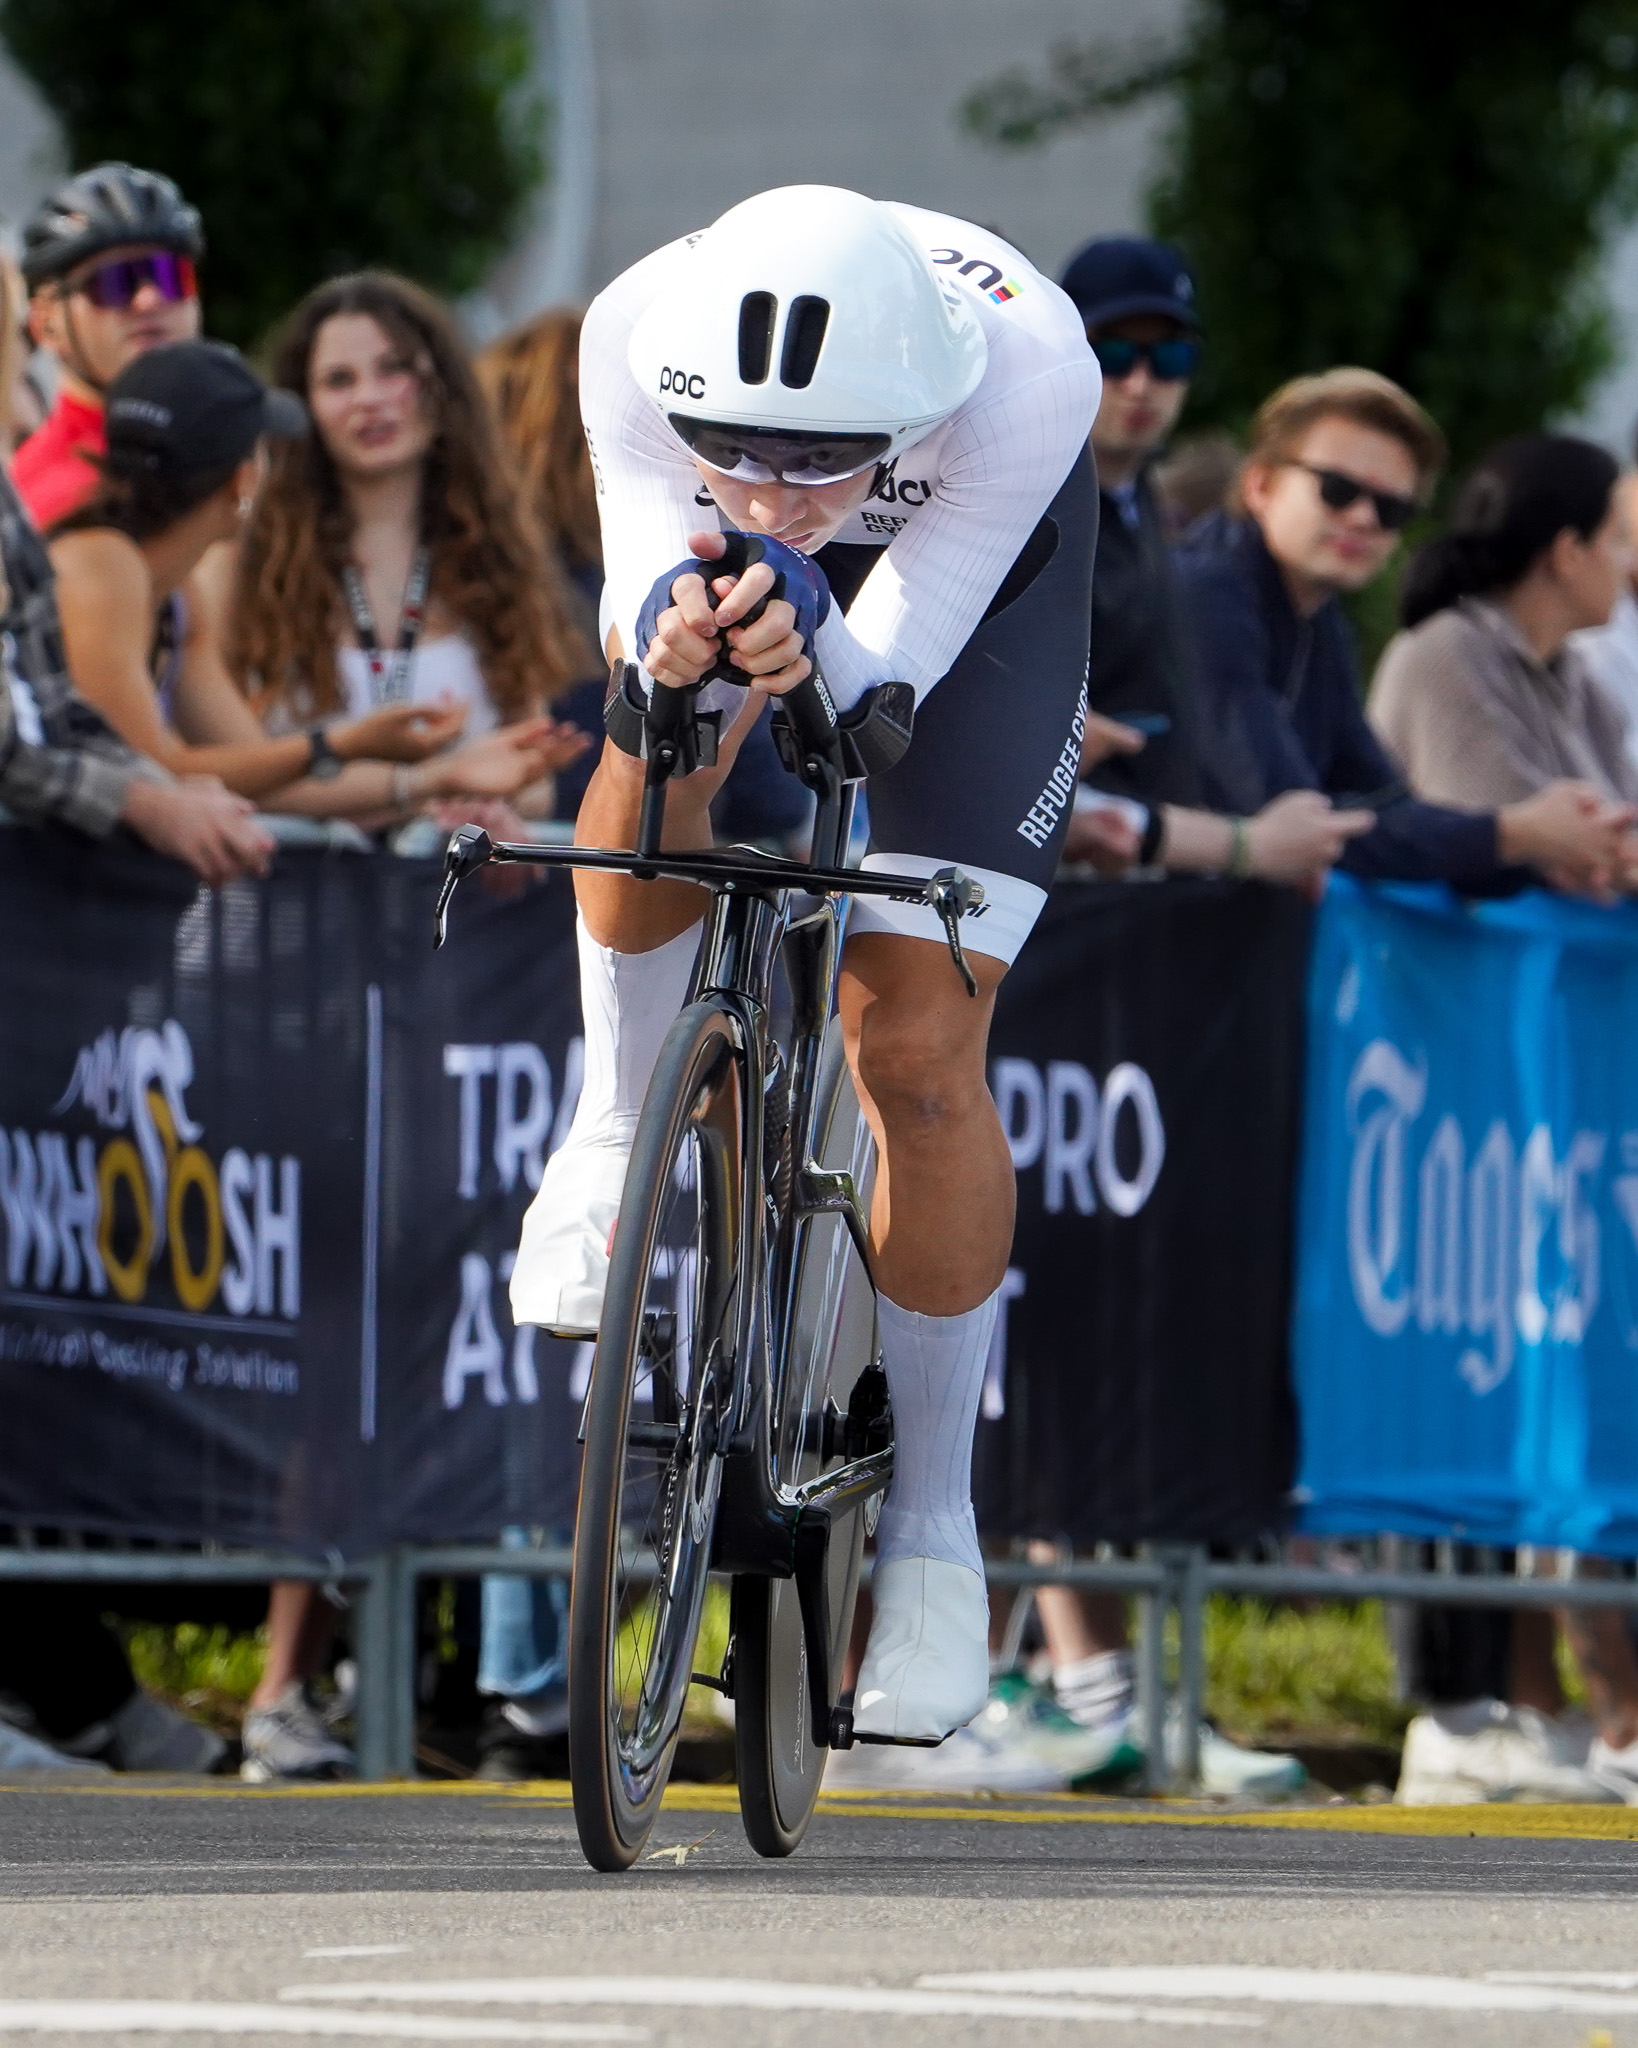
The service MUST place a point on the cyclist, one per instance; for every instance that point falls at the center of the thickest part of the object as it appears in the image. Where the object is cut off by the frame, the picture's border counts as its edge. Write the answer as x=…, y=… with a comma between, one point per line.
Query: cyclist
x=109, y=262
x=899, y=403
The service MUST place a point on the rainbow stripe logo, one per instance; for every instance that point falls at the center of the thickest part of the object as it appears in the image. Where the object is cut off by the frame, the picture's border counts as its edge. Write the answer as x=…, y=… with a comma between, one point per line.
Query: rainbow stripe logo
x=1007, y=289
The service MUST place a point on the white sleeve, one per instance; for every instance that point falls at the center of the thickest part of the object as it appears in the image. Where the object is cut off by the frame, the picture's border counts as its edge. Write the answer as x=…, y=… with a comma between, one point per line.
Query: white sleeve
x=645, y=481
x=1001, y=467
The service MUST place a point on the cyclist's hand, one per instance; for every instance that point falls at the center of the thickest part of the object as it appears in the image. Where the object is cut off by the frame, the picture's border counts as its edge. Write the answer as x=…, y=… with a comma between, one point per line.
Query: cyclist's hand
x=399, y=732
x=685, y=642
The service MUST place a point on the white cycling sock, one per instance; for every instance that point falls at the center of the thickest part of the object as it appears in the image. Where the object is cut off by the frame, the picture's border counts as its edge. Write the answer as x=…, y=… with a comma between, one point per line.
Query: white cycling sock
x=628, y=1002
x=935, y=1373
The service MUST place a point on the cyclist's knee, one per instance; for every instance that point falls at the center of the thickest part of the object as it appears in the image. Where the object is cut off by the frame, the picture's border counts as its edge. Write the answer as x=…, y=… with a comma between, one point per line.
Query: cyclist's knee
x=919, y=1060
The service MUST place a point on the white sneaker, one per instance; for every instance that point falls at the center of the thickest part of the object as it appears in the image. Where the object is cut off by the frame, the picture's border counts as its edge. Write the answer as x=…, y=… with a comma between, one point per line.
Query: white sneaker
x=147, y=1735
x=926, y=1669
x=289, y=1740
x=1229, y=1772
x=562, y=1265
x=1615, y=1769
x=1487, y=1750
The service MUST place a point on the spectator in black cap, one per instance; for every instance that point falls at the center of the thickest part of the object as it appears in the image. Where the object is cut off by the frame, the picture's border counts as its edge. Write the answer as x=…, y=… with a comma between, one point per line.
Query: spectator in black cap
x=1137, y=299
x=187, y=425
x=1140, y=790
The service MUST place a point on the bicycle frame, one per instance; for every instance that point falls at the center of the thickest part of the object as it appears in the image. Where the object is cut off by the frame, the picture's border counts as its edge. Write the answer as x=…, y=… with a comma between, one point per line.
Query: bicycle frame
x=764, y=1528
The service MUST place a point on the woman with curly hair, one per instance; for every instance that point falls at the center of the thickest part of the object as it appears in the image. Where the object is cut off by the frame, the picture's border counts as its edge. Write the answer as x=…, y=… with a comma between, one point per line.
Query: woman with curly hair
x=388, y=558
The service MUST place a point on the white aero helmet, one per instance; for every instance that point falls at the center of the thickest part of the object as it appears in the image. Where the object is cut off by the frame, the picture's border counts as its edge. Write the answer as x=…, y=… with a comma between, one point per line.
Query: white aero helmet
x=804, y=337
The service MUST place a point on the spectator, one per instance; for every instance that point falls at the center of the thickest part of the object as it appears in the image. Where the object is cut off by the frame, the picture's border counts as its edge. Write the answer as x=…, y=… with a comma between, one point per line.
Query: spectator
x=1137, y=299
x=1611, y=650
x=1337, y=467
x=532, y=378
x=109, y=262
x=63, y=1673
x=59, y=761
x=187, y=425
x=399, y=507
x=14, y=392
x=1196, y=476
x=1483, y=701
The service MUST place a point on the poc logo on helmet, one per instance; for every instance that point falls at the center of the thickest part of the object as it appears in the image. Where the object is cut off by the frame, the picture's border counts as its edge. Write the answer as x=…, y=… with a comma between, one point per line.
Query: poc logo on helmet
x=689, y=383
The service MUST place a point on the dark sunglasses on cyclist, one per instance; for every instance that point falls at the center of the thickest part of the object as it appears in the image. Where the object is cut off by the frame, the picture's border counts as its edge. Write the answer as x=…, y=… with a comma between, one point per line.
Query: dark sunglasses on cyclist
x=770, y=455
x=113, y=286
x=1169, y=361
x=1339, y=491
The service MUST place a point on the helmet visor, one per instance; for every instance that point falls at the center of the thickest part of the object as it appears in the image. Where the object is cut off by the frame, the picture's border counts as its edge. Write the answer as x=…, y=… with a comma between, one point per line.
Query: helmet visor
x=777, y=455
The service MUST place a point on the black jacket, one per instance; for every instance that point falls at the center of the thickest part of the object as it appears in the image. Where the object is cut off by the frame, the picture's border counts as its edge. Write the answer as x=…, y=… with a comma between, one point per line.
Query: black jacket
x=1277, y=698
x=1140, y=654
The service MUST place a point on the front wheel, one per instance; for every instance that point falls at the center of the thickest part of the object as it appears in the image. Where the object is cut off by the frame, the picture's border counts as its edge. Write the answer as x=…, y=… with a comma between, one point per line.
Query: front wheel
x=661, y=1387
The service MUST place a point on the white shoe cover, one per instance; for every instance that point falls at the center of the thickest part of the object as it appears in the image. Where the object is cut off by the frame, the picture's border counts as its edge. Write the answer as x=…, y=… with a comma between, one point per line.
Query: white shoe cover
x=562, y=1265
x=926, y=1671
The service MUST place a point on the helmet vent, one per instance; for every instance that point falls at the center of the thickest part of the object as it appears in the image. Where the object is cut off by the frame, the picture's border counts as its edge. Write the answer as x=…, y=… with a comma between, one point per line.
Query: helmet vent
x=756, y=325
x=804, y=333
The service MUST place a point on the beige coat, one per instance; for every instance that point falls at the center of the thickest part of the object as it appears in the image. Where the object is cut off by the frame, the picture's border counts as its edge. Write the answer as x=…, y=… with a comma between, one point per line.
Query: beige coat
x=1478, y=721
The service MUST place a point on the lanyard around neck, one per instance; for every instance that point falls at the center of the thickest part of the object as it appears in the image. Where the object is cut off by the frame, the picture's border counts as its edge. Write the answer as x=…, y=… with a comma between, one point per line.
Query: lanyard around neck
x=389, y=676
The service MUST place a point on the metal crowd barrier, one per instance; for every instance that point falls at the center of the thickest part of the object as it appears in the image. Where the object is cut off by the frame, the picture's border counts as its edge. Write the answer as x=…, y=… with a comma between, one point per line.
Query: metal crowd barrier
x=1164, y=1580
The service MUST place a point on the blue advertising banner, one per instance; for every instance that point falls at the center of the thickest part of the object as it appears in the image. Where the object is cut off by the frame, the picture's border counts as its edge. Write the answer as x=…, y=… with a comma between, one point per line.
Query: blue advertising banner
x=1465, y=1327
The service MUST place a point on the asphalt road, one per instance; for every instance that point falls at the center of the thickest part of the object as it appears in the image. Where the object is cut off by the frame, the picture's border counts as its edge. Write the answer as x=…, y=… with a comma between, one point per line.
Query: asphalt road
x=195, y=1913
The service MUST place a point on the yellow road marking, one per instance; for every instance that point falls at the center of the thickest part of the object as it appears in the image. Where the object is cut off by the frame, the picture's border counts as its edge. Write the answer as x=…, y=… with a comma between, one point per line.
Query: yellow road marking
x=1047, y=1809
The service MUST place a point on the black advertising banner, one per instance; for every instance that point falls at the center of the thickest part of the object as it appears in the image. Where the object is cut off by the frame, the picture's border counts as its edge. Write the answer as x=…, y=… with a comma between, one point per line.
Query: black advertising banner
x=262, y=1158
x=475, y=1421
x=1146, y=1060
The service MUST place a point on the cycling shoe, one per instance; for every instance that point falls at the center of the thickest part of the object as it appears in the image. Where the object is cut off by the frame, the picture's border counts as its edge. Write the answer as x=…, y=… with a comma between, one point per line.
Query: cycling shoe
x=926, y=1671
x=562, y=1265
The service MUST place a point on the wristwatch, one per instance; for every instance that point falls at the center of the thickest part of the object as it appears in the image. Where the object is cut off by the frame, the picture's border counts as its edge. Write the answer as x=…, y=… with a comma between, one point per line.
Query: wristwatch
x=324, y=764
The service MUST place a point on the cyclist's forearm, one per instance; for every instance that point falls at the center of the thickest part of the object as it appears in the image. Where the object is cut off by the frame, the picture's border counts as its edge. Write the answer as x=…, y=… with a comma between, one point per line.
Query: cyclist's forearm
x=631, y=916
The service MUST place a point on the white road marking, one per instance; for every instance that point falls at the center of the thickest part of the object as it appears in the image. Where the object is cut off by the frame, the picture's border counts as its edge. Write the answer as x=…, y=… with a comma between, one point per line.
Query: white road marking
x=758, y=1995
x=1289, y=1987
x=363, y=1948
x=205, y=2016
x=1602, y=1980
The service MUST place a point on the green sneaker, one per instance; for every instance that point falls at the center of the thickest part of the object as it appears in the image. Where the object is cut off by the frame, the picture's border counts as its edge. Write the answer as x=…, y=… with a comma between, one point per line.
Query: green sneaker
x=1026, y=1717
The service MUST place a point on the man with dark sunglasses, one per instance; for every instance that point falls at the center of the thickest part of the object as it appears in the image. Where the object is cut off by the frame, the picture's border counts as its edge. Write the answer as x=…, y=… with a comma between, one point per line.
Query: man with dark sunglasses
x=1136, y=299
x=109, y=260
x=1338, y=464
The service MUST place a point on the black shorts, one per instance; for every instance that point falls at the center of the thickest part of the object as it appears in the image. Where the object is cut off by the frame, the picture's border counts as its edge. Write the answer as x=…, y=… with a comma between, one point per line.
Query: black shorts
x=989, y=780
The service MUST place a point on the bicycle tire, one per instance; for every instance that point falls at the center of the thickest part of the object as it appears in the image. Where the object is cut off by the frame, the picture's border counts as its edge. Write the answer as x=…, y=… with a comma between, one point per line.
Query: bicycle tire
x=778, y=1765
x=649, y=1491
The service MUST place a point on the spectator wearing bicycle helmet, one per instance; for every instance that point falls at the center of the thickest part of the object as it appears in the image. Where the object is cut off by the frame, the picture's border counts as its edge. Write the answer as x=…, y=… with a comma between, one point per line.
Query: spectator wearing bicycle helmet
x=895, y=404
x=109, y=263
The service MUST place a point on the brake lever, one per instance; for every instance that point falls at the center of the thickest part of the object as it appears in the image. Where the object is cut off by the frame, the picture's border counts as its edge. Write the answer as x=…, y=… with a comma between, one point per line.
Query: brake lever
x=952, y=895
x=470, y=847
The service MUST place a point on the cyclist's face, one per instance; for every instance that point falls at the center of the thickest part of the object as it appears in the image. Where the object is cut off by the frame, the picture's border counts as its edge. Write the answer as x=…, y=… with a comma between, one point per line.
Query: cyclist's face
x=367, y=397
x=804, y=516
x=94, y=343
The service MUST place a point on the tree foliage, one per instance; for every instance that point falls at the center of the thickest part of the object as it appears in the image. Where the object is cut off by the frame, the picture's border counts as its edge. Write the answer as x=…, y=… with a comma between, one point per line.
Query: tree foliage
x=313, y=135
x=1422, y=188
